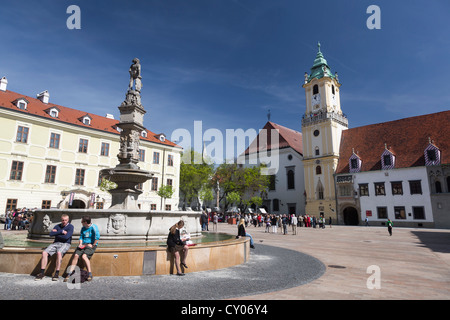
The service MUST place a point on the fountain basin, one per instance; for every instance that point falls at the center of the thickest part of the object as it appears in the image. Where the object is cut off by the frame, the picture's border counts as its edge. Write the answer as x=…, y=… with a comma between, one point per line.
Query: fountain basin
x=132, y=259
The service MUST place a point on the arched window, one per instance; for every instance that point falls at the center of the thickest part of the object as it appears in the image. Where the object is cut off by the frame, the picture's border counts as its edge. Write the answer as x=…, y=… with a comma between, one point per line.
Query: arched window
x=291, y=179
x=318, y=170
x=332, y=89
x=317, y=151
x=316, y=89
x=319, y=190
x=437, y=184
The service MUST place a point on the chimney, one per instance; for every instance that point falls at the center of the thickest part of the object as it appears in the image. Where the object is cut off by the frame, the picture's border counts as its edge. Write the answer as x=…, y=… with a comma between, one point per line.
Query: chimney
x=3, y=84
x=43, y=96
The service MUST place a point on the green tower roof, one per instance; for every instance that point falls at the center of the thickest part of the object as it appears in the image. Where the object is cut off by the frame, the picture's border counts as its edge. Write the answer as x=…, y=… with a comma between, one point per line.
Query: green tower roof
x=320, y=67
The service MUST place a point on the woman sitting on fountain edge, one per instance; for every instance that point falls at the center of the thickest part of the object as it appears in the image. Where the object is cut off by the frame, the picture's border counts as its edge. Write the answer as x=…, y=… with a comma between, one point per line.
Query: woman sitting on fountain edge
x=176, y=245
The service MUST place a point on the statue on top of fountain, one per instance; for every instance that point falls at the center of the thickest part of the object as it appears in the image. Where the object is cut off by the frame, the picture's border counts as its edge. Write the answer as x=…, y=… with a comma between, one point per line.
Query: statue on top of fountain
x=133, y=96
x=135, y=76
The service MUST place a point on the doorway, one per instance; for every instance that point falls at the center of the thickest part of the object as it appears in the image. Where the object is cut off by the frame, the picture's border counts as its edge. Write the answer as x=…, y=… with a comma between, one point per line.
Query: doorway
x=351, y=216
x=77, y=204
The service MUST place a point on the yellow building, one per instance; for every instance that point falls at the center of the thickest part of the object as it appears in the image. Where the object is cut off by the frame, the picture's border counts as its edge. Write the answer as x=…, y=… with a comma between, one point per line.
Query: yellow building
x=322, y=126
x=50, y=156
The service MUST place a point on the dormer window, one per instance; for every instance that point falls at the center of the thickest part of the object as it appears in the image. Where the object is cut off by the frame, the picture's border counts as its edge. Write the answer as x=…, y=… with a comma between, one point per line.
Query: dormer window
x=354, y=163
x=432, y=154
x=144, y=134
x=161, y=137
x=387, y=160
x=21, y=103
x=86, y=120
x=53, y=112
x=117, y=128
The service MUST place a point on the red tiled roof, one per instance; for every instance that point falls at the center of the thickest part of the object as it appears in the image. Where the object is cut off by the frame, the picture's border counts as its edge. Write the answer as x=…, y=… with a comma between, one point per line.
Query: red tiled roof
x=68, y=115
x=406, y=139
x=287, y=138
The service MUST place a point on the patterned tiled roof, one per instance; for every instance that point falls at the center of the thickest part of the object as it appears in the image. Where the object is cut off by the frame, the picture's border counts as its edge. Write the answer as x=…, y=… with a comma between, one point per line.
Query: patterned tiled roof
x=406, y=139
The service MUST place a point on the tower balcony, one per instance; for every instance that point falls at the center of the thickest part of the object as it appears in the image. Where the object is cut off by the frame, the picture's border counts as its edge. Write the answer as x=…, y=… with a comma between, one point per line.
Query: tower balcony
x=314, y=118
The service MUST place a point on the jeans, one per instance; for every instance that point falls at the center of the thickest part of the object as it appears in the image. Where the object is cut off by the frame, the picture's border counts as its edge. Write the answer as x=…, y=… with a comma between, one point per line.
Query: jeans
x=251, y=239
x=7, y=224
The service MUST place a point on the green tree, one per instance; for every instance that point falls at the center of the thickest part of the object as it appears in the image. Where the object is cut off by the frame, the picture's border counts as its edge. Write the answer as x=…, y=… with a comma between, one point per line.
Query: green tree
x=194, y=178
x=165, y=192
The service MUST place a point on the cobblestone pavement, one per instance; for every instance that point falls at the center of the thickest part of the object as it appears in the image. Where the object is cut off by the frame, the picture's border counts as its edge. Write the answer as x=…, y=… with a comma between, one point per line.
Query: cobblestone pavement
x=340, y=263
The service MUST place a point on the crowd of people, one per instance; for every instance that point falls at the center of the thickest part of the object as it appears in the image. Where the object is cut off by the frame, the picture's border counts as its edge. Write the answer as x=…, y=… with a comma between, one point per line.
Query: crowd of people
x=18, y=219
x=273, y=223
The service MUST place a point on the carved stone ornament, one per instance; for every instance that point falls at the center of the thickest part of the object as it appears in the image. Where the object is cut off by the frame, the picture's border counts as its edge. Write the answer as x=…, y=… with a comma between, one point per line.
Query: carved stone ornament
x=117, y=224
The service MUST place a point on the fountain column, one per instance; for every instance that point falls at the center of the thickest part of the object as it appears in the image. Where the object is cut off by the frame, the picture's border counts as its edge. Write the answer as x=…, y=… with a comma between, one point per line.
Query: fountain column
x=127, y=175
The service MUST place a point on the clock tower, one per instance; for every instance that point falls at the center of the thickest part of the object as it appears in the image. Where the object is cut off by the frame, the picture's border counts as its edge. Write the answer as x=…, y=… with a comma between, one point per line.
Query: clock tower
x=322, y=125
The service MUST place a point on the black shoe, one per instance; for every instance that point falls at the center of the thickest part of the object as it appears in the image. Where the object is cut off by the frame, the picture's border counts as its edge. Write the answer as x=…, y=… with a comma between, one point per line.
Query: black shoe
x=40, y=276
x=252, y=246
x=184, y=265
x=55, y=277
x=180, y=274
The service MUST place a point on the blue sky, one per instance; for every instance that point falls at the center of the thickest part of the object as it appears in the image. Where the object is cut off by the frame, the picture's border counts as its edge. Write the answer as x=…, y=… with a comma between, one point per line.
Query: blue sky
x=227, y=62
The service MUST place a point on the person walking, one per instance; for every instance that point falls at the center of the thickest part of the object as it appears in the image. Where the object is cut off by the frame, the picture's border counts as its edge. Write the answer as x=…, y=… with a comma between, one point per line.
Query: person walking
x=390, y=225
x=63, y=238
x=294, y=222
x=215, y=221
x=285, y=222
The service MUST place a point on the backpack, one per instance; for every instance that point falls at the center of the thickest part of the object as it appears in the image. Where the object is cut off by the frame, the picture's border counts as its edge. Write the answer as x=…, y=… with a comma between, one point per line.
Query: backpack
x=83, y=276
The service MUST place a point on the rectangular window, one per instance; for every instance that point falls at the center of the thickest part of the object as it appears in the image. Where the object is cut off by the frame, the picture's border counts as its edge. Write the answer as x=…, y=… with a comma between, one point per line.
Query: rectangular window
x=170, y=160
x=354, y=163
x=153, y=206
x=54, y=140
x=105, y=149
x=46, y=204
x=99, y=205
x=363, y=190
x=16, y=170
x=79, y=177
x=379, y=189
x=141, y=155
x=399, y=213
x=168, y=207
x=155, y=157
x=419, y=213
x=11, y=204
x=387, y=160
x=382, y=212
x=154, y=184
x=50, y=174
x=415, y=187
x=83, y=146
x=345, y=190
x=169, y=182
x=397, y=188
x=431, y=155
x=22, y=134
x=140, y=186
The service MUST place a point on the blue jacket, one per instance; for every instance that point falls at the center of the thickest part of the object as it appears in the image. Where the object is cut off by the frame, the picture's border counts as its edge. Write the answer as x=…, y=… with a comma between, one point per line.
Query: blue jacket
x=89, y=234
x=59, y=237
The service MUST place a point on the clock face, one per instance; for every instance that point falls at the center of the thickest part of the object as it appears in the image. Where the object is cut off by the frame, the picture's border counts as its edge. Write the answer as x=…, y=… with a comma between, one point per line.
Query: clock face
x=316, y=99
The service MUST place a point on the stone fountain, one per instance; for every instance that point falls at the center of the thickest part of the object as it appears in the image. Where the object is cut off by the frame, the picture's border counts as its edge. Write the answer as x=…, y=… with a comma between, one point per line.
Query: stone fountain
x=132, y=241
x=123, y=221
